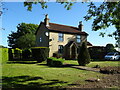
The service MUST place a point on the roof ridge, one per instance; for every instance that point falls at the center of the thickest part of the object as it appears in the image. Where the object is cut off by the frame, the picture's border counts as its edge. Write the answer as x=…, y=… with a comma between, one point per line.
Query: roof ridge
x=63, y=25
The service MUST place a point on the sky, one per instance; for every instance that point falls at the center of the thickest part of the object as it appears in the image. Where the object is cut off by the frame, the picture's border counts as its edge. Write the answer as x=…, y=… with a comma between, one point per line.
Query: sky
x=17, y=14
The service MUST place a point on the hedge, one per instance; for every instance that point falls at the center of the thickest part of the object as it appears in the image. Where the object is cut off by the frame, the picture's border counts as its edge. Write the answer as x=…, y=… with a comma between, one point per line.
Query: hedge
x=52, y=61
x=40, y=53
x=26, y=54
x=3, y=55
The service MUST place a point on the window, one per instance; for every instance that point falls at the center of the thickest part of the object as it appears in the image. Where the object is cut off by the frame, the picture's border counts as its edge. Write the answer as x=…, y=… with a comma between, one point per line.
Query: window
x=60, y=49
x=40, y=39
x=60, y=37
x=78, y=38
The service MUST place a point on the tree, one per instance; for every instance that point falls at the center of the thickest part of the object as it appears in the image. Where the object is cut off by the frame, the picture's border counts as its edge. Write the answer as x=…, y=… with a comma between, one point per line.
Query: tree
x=24, y=37
x=105, y=15
x=83, y=56
x=26, y=41
x=110, y=48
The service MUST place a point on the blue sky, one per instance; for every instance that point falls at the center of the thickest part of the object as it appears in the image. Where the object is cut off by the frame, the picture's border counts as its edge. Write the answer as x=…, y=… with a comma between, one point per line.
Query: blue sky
x=17, y=13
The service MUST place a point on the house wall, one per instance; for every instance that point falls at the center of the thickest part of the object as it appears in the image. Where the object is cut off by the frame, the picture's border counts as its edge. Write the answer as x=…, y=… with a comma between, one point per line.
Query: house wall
x=53, y=45
x=41, y=34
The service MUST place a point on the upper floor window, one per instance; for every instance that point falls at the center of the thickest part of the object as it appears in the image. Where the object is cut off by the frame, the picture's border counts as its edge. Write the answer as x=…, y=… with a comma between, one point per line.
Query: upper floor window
x=60, y=37
x=40, y=39
x=78, y=38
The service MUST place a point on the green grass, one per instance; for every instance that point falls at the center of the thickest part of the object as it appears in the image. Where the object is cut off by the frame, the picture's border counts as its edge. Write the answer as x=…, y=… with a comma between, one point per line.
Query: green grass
x=104, y=63
x=39, y=75
x=92, y=64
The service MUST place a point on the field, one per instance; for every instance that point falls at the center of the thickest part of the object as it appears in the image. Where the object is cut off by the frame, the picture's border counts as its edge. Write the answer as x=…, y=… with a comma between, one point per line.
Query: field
x=38, y=75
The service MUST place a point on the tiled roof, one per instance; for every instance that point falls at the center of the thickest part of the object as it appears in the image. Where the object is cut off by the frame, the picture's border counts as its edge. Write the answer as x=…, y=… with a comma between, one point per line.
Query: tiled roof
x=65, y=29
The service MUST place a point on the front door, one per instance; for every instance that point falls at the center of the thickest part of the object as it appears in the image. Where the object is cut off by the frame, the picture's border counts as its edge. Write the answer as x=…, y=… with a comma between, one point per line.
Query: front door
x=73, y=52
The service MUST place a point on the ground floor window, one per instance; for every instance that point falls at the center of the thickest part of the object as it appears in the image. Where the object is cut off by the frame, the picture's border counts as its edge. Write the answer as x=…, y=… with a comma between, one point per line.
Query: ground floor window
x=60, y=49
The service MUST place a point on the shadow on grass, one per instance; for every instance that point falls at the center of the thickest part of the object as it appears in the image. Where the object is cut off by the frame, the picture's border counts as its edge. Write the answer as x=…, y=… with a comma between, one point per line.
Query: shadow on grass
x=22, y=62
x=28, y=82
x=63, y=66
x=69, y=65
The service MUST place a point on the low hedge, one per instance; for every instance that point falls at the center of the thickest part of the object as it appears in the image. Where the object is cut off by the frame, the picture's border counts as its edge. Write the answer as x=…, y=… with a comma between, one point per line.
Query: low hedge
x=54, y=62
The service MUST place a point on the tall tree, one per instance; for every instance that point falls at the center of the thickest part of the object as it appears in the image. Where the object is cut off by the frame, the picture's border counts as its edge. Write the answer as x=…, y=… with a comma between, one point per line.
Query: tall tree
x=24, y=37
x=105, y=15
x=110, y=48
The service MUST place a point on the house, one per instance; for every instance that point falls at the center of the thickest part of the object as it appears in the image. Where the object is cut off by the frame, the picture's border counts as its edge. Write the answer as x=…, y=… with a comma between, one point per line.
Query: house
x=61, y=39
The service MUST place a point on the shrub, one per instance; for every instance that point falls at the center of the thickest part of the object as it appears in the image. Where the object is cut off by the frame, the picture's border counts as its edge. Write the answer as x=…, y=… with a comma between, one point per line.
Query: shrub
x=17, y=53
x=83, y=56
x=40, y=53
x=50, y=61
x=55, y=62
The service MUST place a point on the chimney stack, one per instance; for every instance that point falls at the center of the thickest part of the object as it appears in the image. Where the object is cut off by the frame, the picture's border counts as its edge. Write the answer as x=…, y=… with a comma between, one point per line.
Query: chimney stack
x=46, y=20
x=80, y=26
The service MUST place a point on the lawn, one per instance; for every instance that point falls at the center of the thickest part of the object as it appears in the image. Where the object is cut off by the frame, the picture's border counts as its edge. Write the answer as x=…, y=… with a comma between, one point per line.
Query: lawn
x=94, y=63
x=37, y=75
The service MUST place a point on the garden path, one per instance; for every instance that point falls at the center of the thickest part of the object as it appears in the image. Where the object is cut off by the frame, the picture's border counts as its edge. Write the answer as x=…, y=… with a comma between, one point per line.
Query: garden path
x=83, y=67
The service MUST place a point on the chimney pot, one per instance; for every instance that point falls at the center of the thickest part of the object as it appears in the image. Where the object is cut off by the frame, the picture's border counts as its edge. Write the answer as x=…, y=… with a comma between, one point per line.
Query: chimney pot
x=80, y=26
x=46, y=20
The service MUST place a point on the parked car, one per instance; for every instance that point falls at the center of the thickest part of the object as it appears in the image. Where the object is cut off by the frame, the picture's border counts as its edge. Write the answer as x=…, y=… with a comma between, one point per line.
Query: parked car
x=112, y=56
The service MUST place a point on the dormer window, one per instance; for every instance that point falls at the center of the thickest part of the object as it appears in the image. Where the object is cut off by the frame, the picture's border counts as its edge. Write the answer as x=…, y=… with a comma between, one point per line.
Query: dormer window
x=78, y=38
x=60, y=37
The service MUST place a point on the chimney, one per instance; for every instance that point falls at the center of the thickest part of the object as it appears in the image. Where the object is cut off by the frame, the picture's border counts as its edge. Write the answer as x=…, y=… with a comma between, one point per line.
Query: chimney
x=80, y=26
x=46, y=20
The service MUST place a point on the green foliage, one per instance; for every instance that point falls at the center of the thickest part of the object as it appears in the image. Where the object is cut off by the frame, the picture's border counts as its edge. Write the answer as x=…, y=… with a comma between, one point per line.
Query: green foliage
x=26, y=41
x=44, y=5
x=40, y=54
x=83, y=57
x=54, y=62
x=4, y=55
x=10, y=53
x=26, y=54
x=24, y=36
x=105, y=15
x=110, y=48
x=17, y=53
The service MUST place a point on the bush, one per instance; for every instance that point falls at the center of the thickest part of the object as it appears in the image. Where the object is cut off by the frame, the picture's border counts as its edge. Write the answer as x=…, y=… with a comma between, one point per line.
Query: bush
x=83, y=56
x=17, y=53
x=40, y=53
x=55, y=62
